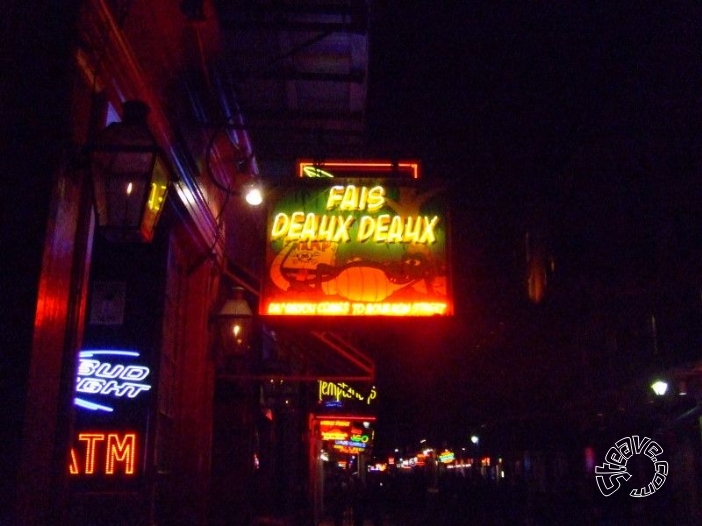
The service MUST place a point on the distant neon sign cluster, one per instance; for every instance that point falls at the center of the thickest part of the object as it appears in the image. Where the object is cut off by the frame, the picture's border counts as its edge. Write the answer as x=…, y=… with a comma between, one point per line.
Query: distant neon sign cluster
x=347, y=437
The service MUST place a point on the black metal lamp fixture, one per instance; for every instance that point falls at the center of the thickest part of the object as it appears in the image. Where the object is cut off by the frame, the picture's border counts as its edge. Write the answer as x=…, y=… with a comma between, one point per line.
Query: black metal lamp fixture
x=233, y=326
x=250, y=187
x=130, y=179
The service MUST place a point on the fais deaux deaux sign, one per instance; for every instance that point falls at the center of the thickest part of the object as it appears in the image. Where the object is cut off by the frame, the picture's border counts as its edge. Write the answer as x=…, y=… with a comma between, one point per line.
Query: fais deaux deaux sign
x=358, y=246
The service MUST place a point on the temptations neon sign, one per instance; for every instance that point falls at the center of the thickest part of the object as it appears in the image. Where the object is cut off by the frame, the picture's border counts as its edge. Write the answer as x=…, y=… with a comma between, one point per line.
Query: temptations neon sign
x=340, y=390
x=355, y=168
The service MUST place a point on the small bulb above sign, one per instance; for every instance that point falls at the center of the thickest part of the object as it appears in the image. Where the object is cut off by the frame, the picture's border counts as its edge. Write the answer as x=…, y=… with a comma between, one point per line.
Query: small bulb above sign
x=254, y=196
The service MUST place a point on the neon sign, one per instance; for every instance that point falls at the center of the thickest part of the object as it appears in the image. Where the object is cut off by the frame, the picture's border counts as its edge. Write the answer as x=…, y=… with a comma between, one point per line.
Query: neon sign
x=356, y=168
x=358, y=309
x=446, y=457
x=360, y=439
x=337, y=391
x=359, y=442
x=348, y=450
x=104, y=454
x=353, y=440
x=352, y=443
x=335, y=429
x=357, y=247
x=334, y=435
x=335, y=229
x=335, y=423
x=385, y=228
x=105, y=380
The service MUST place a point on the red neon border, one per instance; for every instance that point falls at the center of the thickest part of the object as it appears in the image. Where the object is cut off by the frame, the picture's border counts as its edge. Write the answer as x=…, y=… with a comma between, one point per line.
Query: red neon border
x=341, y=417
x=383, y=167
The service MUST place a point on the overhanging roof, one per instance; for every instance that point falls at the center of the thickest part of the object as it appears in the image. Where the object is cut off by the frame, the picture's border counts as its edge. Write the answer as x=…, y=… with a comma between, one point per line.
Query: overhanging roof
x=298, y=73
x=289, y=75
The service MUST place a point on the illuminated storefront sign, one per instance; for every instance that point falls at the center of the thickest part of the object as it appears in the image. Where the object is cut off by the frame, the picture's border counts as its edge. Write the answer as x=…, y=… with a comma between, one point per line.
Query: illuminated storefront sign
x=334, y=423
x=357, y=247
x=352, y=443
x=335, y=429
x=334, y=434
x=348, y=450
x=106, y=375
x=348, y=436
x=357, y=441
x=104, y=454
x=339, y=391
x=360, y=438
x=112, y=401
x=446, y=457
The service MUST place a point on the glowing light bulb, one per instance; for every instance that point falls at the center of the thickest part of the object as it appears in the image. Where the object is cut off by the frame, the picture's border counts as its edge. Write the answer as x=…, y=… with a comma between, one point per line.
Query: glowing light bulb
x=254, y=196
x=659, y=387
x=130, y=187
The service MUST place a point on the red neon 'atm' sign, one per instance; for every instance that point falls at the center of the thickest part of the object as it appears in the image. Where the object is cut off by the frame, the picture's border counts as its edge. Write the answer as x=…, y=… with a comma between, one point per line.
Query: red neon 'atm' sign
x=102, y=453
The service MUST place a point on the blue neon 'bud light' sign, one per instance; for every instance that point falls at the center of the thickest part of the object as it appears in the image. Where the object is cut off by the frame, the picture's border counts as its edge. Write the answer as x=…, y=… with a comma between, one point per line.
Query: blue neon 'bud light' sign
x=106, y=375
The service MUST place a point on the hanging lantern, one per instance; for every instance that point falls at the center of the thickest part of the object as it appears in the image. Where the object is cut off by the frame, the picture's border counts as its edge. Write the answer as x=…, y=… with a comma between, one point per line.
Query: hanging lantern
x=130, y=180
x=234, y=323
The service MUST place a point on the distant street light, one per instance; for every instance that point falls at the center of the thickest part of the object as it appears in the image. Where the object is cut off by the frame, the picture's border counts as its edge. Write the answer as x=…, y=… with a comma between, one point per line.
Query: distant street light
x=659, y=387
x=475, y=439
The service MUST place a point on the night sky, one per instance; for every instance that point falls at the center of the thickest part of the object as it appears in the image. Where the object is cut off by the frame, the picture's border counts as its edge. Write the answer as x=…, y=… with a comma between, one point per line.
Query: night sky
x=578, y=121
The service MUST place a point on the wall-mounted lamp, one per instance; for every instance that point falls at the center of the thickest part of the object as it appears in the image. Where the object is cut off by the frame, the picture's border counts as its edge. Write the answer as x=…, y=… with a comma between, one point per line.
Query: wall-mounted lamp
x=240, y=179
x=233, y=326
x=130, y=179
x=253, y=194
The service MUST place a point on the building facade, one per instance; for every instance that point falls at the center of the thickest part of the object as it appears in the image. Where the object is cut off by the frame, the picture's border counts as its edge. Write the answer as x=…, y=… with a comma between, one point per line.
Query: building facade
x=119, y=410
